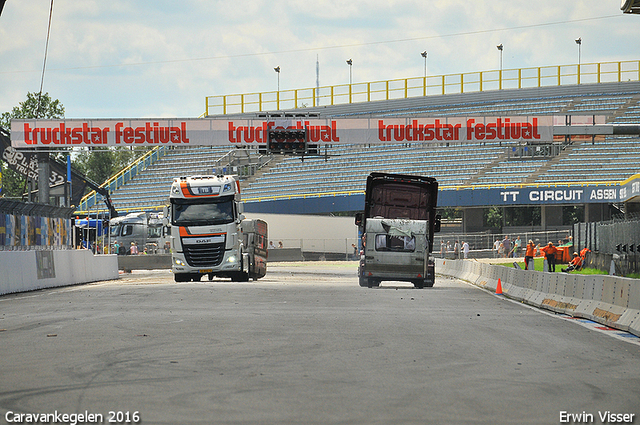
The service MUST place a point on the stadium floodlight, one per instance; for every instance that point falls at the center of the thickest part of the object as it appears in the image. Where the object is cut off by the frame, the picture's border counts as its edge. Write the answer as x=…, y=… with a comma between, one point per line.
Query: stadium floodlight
x=500, y=47
x=350, y=63
x=424, y=55
x=277, y=70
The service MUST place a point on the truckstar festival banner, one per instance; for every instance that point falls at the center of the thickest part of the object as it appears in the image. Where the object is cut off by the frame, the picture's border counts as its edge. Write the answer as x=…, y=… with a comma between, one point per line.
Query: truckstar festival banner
x=211, y=131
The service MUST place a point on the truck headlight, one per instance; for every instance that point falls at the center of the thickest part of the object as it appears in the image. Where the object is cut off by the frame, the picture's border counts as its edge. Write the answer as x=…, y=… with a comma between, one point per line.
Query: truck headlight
x=178, y=262
x=232, y=259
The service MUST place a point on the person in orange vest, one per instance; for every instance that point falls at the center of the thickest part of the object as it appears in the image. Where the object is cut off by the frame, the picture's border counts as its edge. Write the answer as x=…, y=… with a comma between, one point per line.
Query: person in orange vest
x=529, y=253
x=550, y=254
x=575, y=263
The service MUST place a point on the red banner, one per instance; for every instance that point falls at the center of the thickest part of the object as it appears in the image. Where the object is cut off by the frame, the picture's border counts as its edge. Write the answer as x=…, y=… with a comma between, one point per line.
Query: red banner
x=130, y=132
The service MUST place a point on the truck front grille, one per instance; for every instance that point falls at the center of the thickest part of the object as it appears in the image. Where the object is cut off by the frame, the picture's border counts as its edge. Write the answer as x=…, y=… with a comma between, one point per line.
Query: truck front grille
x=204, y=255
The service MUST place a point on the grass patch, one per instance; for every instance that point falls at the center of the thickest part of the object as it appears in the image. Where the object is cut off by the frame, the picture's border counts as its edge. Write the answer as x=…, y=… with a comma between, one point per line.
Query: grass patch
x=539, y=264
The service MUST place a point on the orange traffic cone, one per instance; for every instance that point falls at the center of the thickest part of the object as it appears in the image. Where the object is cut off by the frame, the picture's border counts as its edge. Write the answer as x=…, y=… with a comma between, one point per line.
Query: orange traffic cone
x=499, y=288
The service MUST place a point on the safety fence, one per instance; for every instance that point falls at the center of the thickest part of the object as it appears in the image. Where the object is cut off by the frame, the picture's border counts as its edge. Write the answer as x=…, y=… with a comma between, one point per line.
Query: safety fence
x=403, y=88
x=610, y=300
x=616, y=240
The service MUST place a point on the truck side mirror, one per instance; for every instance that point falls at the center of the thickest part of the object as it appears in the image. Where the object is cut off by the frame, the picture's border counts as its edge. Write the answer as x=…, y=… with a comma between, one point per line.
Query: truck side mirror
x=438, y=223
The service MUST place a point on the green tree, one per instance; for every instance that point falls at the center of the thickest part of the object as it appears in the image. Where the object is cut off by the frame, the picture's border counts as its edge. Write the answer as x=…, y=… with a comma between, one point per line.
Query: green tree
x=493, y=217
x=36, y=106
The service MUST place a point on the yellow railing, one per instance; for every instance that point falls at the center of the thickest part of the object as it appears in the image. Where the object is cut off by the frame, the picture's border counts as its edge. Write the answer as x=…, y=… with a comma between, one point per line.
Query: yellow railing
x=545, y=76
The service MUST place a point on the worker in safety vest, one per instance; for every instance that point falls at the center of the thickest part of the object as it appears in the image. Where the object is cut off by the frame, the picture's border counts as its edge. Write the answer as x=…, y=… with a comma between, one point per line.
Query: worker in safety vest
x=575, y=264
x=550, y=254
x=529, y=253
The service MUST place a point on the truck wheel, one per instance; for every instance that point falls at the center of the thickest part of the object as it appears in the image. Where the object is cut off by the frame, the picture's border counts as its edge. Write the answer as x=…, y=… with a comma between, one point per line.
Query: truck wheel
x=363, y=281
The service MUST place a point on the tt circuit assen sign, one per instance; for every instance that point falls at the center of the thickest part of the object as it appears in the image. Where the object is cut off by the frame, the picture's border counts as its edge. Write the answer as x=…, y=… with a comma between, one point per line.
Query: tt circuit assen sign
x=544, y=195
x=253, y=132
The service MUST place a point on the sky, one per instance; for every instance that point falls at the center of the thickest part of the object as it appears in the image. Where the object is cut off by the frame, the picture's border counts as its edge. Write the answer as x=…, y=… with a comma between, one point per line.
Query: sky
x=161, y=58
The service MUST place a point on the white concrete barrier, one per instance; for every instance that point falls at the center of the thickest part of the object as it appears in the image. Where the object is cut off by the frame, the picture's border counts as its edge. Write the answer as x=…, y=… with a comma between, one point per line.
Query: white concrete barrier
x=610, y=300
x=22, y=271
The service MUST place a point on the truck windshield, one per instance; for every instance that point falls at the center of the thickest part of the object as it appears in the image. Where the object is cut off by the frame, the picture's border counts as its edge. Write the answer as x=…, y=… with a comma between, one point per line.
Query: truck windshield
x=202, y=212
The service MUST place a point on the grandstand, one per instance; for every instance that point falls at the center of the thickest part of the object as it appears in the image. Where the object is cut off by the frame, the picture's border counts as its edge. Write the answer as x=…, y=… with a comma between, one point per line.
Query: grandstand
x=342, y=172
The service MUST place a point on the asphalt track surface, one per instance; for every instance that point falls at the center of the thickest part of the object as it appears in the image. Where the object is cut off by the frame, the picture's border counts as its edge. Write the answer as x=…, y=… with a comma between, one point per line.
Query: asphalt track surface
x=305, y=345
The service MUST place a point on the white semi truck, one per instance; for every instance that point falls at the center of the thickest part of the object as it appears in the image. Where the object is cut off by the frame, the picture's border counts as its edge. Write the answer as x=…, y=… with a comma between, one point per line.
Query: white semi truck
x=397, y=228
x=209, y=233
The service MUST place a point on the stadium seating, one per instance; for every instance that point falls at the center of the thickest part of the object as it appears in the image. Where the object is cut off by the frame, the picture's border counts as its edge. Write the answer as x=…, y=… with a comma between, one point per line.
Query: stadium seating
x=345, y=167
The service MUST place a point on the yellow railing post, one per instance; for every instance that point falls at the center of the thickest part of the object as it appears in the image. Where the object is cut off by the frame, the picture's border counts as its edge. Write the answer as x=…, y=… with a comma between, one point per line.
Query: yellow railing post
x=224, y=105
x=242, y=103
x=578, y=73
x=368, y=92
x=539, y=77
x=295, y=99
x=278, y=100
x=349, y=92
x=387, y=89
x=559, y=74
x=260, y=101
x=461, y=83
x=406, y=88
x=424, y=86
x=500, y=80
x=206, y=106
x=619, y=71
x=520, y=78
x=331, y=95
x=443, y=84
x=480, y=80
x=313, y=93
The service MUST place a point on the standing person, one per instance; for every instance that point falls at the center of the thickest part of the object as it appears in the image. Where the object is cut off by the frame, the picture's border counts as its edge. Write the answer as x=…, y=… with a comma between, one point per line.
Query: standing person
x=116, y=247
x=517, y=245
x=506, y=243
x=550, y=254
x=465, y=249
x=456, y=250
x=443, y=249
x=496, y=248
x=529, y=253
x=134, y=248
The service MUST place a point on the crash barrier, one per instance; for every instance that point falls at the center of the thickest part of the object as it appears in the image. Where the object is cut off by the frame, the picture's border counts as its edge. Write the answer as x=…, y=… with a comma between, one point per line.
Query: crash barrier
x=23, y=271
x=610, y=300
x=144, y=262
